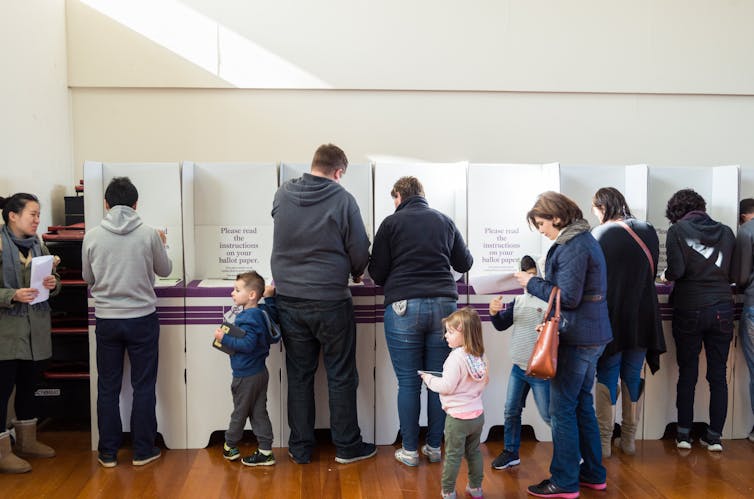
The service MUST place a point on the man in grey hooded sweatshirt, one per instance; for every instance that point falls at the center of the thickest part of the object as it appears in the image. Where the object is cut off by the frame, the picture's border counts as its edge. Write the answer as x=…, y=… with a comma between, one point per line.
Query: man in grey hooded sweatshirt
x=318, y=241
x=119, y=260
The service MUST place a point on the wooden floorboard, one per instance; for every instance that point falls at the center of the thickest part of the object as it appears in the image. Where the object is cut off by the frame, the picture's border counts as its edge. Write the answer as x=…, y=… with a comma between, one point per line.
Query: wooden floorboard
x=658, y=470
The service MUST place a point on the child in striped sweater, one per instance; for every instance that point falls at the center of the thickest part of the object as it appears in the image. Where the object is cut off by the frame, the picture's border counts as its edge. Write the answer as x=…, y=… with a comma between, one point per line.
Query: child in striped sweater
x=525, y=313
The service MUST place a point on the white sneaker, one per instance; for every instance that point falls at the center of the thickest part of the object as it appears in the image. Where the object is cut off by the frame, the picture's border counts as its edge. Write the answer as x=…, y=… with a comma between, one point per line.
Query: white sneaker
x=434, y=454
x=407, y=457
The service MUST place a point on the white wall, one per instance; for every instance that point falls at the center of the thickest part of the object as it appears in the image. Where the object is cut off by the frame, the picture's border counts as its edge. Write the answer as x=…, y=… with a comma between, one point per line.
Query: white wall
x=35, y=125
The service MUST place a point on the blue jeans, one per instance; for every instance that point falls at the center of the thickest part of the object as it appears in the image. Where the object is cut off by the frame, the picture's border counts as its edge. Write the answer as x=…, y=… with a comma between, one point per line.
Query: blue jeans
x=712, y=326
x=746, y=329
x=518, y=389
x=575, y=433
x=309, y=326
x=140, y=337
x=628, y=365
x=415, y=342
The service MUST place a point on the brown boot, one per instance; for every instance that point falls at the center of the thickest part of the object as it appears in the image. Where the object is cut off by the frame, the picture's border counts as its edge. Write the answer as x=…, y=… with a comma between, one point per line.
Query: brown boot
x=605, y=418
x=631, y=417
x=26, y=440
x=9, y=462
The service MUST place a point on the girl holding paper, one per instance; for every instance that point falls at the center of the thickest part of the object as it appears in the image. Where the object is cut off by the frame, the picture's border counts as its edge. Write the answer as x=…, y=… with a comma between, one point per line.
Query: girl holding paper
x=25, y=341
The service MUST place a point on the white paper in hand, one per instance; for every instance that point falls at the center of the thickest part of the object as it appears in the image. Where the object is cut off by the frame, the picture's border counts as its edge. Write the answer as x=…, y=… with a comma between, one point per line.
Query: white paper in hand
x=494, y=283
x=41, y=267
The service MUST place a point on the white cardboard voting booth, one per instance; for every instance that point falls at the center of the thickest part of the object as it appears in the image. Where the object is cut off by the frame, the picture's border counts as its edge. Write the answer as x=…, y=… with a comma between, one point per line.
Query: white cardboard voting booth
x=228, y=230
x=357, y=181
x=500, y=195
x=159, y=205
x=719, y=187
x=445, y=189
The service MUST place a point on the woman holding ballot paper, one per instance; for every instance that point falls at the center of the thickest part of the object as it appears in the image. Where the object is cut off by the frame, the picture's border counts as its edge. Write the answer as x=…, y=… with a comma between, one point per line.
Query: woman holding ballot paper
x=575, y=264
x=24, y=329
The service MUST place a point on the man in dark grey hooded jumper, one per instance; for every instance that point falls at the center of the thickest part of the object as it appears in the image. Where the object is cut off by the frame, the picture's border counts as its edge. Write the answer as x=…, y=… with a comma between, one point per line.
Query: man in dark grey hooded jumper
x=319, y=241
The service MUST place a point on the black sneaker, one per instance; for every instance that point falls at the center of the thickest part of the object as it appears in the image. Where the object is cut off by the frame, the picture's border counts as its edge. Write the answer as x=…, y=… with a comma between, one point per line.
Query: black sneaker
x=546, y=488
x=230, y=453
x=107, y=460
x=364, y=451
x=141, y=461
x=711, y=442
x=258, y=459
x=300, y=459
x=683, y=441
x=506, y=459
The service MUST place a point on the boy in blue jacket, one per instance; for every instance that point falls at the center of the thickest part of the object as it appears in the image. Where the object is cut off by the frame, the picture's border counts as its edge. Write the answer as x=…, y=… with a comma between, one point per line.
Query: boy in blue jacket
x=250, y=375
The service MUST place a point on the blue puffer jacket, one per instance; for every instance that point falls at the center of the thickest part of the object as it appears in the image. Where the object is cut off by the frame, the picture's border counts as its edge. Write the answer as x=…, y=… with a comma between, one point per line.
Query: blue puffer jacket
x=576, y=264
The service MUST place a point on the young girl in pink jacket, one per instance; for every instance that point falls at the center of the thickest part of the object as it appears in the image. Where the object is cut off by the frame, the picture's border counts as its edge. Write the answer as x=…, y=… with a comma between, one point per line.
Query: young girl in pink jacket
x=464, y=376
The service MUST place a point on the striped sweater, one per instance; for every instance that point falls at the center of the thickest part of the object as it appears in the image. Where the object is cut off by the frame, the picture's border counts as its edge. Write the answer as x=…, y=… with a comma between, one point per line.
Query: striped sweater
x=524, y=313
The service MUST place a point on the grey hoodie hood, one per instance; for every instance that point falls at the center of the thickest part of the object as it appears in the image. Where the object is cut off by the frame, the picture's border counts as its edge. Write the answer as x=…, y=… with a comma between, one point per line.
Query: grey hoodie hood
x=121, y=220
x=309, y=189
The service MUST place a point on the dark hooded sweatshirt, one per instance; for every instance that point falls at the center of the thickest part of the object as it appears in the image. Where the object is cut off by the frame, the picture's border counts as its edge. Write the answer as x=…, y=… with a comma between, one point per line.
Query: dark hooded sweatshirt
x=699, y=252
x=319, y=239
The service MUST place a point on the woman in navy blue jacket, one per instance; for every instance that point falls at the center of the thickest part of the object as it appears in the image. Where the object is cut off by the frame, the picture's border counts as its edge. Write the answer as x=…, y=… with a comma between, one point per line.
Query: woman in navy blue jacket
x=575, y=263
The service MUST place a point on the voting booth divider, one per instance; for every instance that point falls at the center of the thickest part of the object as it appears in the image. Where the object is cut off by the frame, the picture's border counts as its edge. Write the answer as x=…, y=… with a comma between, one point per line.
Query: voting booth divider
x=218, y=224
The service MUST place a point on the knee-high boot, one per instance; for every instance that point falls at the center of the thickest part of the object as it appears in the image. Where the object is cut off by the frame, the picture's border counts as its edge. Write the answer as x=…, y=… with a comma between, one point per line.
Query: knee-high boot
x=605, y=417
x=27, y=444
x=631, y=416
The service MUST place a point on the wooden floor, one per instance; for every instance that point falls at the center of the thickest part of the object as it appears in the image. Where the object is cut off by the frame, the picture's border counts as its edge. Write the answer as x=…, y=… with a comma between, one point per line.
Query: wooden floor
x=658, y=470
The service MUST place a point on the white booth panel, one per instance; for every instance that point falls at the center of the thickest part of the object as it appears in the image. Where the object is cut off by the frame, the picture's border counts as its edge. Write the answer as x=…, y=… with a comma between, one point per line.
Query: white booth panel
x=714, y=185
x=159, y=205
x=227, y=226
x=209, y=401
x=363, y=301
x=357, y=181
x=499, y=235
x=581, y=182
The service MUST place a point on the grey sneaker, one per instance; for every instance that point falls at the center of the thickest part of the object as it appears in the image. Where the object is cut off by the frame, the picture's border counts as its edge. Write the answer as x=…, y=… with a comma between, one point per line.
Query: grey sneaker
x=407, y=457
x=434, y=454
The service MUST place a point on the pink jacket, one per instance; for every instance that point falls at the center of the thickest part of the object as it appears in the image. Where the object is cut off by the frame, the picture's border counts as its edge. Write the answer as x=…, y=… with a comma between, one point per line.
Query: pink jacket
x=462, y=383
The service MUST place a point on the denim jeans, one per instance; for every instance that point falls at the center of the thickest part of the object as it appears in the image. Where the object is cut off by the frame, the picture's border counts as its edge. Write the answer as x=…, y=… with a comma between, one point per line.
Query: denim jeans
x=746, y=329
x=462, y=438
x=140, y=338
x=712, y=326
x=575, y=433
x=415, y=342
x=309, y=326
x=628, y=364
x=518, y=389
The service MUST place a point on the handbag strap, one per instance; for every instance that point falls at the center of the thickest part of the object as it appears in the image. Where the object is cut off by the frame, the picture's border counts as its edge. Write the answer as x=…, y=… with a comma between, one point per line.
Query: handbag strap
x=639, y=242
x=554, y=297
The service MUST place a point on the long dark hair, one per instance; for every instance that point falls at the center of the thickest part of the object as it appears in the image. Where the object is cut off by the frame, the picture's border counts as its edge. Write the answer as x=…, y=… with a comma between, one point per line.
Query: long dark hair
x=16, y=203
x=612, y=203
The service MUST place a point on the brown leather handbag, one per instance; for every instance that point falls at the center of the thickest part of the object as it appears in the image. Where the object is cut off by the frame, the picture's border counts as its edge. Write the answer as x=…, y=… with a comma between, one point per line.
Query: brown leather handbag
x=543, y=362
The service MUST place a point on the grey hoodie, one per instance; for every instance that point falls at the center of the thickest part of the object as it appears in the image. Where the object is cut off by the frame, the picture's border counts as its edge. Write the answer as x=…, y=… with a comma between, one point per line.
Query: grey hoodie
x=119, y=261
x=318, y=239
x=743, y=259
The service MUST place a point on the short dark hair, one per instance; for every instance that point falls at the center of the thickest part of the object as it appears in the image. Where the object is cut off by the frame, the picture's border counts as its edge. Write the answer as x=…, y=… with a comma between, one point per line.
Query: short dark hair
x=683, y=202
x=407, y=187
x=528, y=263
x=253, y=282
x=551, y=205
x=16, y=204
x=121, y=192
x=746, y=206
x=328, y=158
x=612, y=203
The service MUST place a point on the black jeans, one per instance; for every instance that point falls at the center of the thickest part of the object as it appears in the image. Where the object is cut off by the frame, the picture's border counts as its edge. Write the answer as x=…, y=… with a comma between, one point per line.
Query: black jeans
x=713, y=327
x=140, y=338
x=308, y=326
x=24, y=375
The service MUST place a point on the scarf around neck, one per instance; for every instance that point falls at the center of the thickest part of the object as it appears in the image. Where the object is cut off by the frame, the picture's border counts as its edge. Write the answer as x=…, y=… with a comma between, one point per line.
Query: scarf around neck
x=13, y=270
x=572, y=230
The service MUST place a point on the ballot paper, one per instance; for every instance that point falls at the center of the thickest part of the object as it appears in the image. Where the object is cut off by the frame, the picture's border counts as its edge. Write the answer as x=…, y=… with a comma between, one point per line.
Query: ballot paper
x=41, y=267
x=494, y=283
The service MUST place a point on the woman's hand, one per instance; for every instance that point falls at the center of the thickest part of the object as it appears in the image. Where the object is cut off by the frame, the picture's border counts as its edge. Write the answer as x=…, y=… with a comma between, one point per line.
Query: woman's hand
x=219, y=334
x=496, y=305
x=49, y=282
x=25, y=295
x=523, y=278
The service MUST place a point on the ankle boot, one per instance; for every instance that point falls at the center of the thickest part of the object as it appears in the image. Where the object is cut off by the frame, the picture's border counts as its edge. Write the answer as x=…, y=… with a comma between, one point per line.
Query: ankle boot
x=9, y=462
x=605, y=417
x=26, y=440
x=631, y=415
